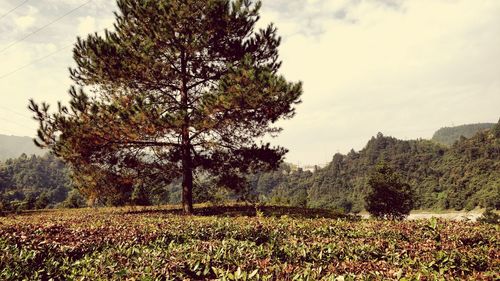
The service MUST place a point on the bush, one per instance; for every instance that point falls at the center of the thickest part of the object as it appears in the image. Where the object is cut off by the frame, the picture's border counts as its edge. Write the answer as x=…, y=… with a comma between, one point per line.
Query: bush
x=42, y=201
x=140, y=196
x=388, y=196
x=74, y=200
x=5, y=206
x=489, y=217
x=29, y=201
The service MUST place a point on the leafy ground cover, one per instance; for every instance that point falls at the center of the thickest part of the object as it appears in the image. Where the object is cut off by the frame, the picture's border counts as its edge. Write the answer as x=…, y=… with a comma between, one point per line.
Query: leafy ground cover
x=234, y=243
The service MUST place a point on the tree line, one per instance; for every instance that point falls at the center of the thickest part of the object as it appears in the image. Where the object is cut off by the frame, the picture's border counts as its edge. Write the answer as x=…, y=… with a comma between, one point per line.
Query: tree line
x=449, y=135
x=34, y=182
x=463, y=176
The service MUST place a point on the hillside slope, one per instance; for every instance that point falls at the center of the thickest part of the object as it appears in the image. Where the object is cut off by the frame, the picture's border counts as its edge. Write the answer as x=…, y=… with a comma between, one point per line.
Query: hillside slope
x=464, y=175
x=13, y=147
x=449, y=135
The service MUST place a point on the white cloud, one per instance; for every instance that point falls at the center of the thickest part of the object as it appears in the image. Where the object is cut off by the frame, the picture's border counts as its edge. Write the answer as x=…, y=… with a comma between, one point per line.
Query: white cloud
x=28, y=20
x=86, y=25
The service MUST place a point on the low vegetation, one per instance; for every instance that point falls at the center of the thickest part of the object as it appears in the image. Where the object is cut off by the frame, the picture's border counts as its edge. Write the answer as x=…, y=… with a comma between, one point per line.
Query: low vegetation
x=489, y=216
x=236, y=243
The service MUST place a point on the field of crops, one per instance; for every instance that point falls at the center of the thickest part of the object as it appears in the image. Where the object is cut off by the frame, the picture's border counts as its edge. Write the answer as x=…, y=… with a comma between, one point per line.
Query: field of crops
x=232, y=245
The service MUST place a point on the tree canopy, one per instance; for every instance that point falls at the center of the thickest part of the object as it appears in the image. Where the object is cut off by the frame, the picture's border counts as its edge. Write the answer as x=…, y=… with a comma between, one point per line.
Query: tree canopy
x=388, y=196
x=26, y=179
x=178, y=87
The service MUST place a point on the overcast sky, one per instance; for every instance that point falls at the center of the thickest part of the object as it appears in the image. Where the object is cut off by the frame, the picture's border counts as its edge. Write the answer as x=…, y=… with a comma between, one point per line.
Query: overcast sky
x=404, y=68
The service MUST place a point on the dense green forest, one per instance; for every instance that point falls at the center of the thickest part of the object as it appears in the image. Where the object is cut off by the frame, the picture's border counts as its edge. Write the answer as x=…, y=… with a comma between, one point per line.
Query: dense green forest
x=34, y=182
x=449, y=135
x=461, y=176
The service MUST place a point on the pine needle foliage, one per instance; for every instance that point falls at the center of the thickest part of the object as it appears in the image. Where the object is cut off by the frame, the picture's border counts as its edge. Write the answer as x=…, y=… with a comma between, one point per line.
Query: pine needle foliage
x=179, y=86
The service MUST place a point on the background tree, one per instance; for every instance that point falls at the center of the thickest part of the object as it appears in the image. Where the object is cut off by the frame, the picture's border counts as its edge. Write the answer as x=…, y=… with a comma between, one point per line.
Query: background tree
x=388, y=196
x=74, y=200
x=180, y=86
x=27, y=178
x=496, y=130
x=42, y=201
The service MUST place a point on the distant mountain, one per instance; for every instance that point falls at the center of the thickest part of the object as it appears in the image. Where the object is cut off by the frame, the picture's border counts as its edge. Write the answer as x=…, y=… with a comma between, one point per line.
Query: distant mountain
x=449, y=135
x=13, y=147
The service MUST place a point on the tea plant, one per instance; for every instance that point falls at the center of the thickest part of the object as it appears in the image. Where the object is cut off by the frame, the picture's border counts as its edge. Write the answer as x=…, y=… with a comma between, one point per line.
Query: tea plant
x=113, y=244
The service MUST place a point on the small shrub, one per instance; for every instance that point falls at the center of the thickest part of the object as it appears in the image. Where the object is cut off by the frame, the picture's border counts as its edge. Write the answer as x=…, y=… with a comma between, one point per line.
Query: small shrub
x=74, y=200
x=42, y=201
x=489, y=217
x=388, y=196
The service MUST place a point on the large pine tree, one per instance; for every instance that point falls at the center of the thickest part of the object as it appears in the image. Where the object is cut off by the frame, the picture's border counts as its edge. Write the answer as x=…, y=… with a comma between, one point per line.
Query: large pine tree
x=180, y=86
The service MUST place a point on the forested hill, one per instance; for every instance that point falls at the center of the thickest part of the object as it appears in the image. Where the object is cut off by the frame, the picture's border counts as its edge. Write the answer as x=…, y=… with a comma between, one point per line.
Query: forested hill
x=33, y=181
x=465, y=175
x=449, y=135
x=13, y=147
x=461, y=176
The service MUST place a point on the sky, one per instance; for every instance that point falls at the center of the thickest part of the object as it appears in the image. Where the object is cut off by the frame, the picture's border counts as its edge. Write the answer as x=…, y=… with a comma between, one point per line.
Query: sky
x=401, y=67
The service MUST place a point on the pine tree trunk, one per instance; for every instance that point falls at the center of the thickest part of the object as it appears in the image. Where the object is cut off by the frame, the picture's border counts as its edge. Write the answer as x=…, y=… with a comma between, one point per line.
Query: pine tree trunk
x=187, y=182
x=187, y=163
x=187, y=171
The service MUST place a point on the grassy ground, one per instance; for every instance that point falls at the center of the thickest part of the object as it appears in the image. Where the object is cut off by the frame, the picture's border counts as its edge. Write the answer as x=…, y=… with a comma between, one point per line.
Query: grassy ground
x=240, y=243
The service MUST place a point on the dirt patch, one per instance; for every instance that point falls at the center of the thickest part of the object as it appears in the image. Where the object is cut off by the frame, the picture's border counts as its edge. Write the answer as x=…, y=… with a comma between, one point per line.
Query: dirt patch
x=452, y=215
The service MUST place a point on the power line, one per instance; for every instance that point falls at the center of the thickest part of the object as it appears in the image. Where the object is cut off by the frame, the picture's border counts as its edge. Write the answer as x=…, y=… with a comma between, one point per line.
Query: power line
x=35, y=61
x=38, y=60
x=43, y=27
x=16, y=123
x=16, y=112
x=13, y=9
